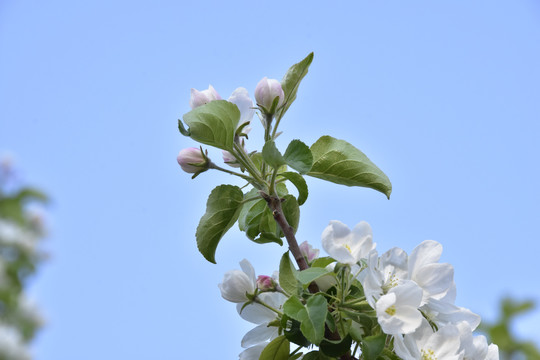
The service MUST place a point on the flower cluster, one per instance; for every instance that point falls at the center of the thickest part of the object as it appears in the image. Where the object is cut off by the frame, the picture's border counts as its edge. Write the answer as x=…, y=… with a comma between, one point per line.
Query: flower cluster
x=408, y=300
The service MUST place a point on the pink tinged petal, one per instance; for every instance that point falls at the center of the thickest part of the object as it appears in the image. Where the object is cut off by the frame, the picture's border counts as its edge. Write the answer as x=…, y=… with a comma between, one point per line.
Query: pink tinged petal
x=253, y=353
x=256, y=313
x=427, y=252
x=258, y=335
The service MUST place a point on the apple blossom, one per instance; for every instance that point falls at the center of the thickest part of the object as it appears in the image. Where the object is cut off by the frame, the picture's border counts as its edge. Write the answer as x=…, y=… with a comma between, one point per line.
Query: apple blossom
x=266, y=91
x=308, y=251
x=397, y=311
x=266, y=283
x=237, y=285
x=199, y=98
x=426, y=344
x=347, y=246
x=192, y=160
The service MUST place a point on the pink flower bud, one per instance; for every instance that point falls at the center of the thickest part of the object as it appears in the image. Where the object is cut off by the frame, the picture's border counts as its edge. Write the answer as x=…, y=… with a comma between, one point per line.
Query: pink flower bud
x=266, y=91
x=192, y=160
x=199, y=98
x=308, y=252
x=265, y=283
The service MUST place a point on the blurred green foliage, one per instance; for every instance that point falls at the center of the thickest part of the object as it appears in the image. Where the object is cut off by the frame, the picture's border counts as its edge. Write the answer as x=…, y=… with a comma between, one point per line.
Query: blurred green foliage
x=20, y=233
x=501, y=333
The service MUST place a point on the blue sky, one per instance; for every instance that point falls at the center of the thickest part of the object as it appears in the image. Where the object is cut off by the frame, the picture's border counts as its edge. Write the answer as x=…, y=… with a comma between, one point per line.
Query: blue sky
x=442, y=95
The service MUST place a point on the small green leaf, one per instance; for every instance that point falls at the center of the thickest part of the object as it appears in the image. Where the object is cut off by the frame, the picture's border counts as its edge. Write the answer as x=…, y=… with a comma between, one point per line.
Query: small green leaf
x=248, y=206
x=322, y=262
x=341, y=163
x=222, y=210
x=214, y=124
x=272, y=156
x=291, y=210
x=298, y=156
x=372, y=346
x=287, y=278
x=312, y=325
x=300, y=183
x=307, y=276
x=182, y=129
x=278, y=349
x=291, y=81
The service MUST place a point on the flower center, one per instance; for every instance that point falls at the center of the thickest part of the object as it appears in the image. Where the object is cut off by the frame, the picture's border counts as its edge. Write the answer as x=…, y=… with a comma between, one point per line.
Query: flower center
x=348, y=248
x=428, y=355
x=391, y=311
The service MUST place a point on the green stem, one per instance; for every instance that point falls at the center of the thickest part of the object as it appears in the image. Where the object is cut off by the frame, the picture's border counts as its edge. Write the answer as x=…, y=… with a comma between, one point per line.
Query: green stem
x=244, y=159
x=259, y=301
x=245, y=177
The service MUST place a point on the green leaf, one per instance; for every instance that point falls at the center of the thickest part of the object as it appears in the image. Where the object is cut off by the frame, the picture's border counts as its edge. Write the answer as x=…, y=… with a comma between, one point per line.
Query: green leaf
x=291, y=210
x=336, y=349
x=307, y=276
x=300, y=183
x=298, y=156
x=294, y=308
x=278, y=349
x=322, y=262
x=182, y=129
x=272, y=156
x=222, y=210
x=316, y=355
x=291, y=81
x=287, y=278
x=267, y=237
x=214, y=124
x=372, y=346
x=314, y=317
x=341, y=163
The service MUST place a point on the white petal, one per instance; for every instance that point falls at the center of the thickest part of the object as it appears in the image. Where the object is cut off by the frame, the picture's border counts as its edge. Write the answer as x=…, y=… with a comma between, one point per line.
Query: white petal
x=246, y=267
x=240, y=97
x=253, y=353
x=408, y=294
x=256, y=313
x=435, y=278
x=427, y=252
x=258, y=334
x=445, y=342
x=493, y=352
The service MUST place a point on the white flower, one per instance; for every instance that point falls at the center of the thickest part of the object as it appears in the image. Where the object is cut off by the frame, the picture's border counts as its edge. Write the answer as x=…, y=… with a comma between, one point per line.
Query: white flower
x=261, y=316
x=435, y=279
x=425, y=344
x=199, y=98
x=347, y=246
x=383, y=273
x=397, y=311
x=266, y=91
x=475, y=347
x=237, y=284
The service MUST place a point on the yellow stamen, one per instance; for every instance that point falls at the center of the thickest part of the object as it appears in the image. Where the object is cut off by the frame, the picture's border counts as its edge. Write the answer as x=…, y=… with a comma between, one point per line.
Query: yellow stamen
x=428, y=355
x=391, y=310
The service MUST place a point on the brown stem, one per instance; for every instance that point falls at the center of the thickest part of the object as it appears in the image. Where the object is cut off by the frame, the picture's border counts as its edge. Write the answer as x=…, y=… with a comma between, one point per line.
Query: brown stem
x=274, y=203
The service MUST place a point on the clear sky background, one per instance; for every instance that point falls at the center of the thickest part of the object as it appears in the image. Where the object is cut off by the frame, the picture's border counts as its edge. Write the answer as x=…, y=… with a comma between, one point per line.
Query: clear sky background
x=444, y=96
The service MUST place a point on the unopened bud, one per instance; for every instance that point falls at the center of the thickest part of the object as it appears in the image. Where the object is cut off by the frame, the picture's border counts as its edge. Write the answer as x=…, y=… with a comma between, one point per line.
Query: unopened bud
x=266, y=283
x=266, y=91
x=230, y=159
x=199, y=98
x=192, y=160
x=308, y=251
